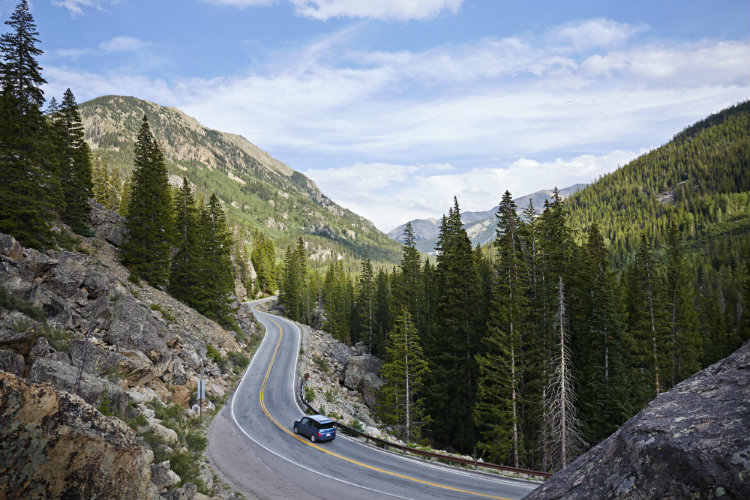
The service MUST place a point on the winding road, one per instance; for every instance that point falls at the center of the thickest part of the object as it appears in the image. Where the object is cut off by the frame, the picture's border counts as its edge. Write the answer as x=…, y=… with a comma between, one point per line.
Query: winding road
x=252, y=444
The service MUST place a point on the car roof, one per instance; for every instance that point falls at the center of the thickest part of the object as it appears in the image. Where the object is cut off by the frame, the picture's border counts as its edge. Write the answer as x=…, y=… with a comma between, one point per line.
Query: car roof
x=321, y=418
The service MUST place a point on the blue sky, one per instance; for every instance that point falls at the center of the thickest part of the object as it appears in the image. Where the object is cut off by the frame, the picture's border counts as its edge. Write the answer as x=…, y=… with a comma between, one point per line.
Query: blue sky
x=395, y=106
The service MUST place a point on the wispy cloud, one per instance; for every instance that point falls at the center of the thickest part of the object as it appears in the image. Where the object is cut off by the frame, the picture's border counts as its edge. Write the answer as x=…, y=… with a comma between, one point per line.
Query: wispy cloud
x=385, y=192
x=381, y=9
x=591, y=33
x=77, y=7
x=123, y=44
x=481, y=107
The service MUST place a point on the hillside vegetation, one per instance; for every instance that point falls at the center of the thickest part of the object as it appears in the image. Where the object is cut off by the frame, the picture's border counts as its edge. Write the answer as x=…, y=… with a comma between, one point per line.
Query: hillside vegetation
x=259, y=192
x=532, y=350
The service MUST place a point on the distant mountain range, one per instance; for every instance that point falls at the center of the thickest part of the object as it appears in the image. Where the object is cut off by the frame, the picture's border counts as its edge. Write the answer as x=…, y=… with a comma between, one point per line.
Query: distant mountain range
x=257, y=190
x=480, y=226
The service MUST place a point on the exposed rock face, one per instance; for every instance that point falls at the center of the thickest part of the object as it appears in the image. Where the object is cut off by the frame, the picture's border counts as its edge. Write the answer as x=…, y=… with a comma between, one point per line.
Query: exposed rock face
x=361, y=374
x=100, y=335
x=349, y=384
x=690, y=442
x=107, y=224
x=54, y=445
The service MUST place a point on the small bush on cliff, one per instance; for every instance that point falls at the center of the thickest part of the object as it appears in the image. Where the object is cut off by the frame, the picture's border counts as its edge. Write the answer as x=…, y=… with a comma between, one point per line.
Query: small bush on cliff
x=7, y=301
x=213, y=354
x=58, y=339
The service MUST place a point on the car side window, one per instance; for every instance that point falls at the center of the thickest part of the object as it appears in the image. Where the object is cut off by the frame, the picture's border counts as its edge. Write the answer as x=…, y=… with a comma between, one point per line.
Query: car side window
x=305, y=421
x=316, y=424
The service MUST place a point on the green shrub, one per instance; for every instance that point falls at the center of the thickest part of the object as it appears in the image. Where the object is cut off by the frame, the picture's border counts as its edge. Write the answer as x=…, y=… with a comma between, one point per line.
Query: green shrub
x=7, y=301
x=58, y=339
x=196, y=441
x=213, y=354
x=356, y=425
x=167, y=315
x=330, y=395
x=321, y=362
x=309, y=394
x=105, y=405
x=239, y=361
x=187, y=468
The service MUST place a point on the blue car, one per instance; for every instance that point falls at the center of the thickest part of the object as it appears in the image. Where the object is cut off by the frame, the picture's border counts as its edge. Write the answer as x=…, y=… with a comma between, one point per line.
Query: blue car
x=316, y=427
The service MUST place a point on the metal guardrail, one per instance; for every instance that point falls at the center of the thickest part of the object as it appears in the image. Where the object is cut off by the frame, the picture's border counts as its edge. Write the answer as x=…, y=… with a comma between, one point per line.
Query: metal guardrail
x=427, y=454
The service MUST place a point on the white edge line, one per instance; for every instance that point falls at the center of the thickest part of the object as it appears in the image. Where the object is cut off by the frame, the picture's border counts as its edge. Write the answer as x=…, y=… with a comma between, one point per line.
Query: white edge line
x=234, y=418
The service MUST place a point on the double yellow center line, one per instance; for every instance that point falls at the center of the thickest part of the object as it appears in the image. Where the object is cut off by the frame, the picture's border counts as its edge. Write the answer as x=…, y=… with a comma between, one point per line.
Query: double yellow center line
x=261, y=399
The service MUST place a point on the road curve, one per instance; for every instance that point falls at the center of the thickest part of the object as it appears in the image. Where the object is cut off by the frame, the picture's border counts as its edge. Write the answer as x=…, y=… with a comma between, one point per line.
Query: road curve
x=252, y=444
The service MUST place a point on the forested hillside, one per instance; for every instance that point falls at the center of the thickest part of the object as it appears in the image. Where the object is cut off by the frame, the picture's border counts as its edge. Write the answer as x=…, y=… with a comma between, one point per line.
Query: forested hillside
x=258, y=191
x=531, y=351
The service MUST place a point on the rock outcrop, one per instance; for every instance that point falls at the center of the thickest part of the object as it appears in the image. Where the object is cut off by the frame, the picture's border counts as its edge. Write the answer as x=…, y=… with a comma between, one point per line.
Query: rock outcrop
x=54, y=445
x=344, y=379
x=74, y=320
x=690, y=442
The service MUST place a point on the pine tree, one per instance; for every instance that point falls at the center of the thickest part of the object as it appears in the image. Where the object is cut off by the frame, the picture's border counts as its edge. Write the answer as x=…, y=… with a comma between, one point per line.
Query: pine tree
x=366, y=300
x=74, y=157
x=215, y=264
x=456, y=337
x=597, y=349
x=149, y=218
x=501, y=367
x=184, y=276
x=404, y=371
x=30, y=190
x=684, y=339
x=21, y=73
x=645, y=323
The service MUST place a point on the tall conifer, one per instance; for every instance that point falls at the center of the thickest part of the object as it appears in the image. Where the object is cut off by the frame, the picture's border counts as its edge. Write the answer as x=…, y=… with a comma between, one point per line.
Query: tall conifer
x=149, y=217
x=30, y=190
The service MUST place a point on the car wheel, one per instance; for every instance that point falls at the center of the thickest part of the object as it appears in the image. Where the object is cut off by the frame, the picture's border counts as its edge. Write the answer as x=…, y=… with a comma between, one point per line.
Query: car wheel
x=296, y=431
x=312, y=437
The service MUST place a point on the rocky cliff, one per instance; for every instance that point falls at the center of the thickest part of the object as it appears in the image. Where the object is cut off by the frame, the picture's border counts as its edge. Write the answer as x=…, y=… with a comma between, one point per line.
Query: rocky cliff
x=54, y=445
x=73, y=320
x=690, y=442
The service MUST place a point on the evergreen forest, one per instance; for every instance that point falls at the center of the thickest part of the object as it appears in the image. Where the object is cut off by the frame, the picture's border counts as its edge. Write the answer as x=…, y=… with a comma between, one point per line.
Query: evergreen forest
x=530, y=350
x=49, y=176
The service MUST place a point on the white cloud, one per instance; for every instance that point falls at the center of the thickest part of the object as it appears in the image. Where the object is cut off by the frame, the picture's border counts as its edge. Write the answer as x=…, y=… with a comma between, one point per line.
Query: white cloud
x=480, y=110
x=123, y=44
x=76, y=7
x=385, y=193
x=401, y=10
x=593, y=33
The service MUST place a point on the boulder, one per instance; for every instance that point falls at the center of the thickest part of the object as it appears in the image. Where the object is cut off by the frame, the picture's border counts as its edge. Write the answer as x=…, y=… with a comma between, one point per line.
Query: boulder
x=162, y=476
x=54, y=445
x=357, y=368
x=10, y=248
x=690, y=442
x=134, y=327
x=40, y=350
x=107, y=224
x=167, y=434
x=11, y=362
x=18, y=333
x=371, y=384
x=180, y=396
x=63, y=377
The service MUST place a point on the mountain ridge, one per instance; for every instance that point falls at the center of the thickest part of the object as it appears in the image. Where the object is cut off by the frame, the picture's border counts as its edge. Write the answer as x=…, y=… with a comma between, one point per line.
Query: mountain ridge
x=480, y=226
x=257, y=190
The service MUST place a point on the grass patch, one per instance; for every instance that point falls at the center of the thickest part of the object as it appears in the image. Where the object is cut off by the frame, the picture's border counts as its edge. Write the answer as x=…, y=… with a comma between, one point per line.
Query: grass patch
x=165, y=313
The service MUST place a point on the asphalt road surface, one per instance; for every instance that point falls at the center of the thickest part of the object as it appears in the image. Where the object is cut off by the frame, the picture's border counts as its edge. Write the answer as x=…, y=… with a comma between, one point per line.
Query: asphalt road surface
x=253, y=445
